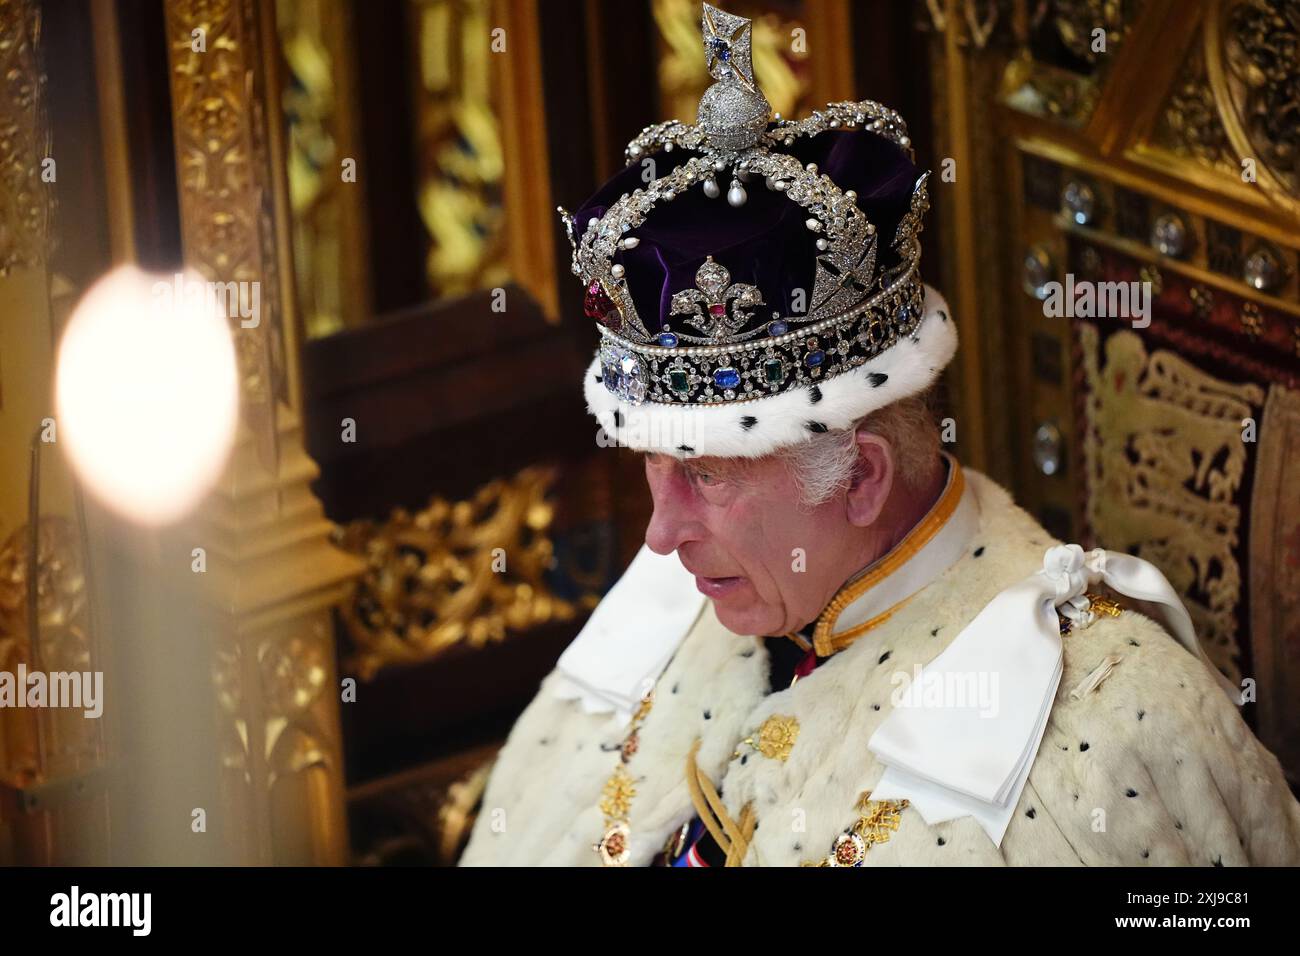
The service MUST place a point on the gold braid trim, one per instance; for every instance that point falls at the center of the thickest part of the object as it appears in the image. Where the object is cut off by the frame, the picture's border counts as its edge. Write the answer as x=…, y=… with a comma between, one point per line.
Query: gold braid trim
x=740, y=846
x=827, y=643
x=702, y=806
x=732, y=837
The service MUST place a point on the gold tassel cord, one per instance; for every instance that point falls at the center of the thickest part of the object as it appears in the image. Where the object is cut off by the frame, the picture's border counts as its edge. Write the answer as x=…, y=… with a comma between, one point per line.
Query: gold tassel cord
x=731, y=836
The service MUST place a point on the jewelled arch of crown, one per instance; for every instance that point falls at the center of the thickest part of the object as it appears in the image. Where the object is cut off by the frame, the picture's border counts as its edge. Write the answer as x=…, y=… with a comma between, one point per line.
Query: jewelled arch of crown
x=855, y=311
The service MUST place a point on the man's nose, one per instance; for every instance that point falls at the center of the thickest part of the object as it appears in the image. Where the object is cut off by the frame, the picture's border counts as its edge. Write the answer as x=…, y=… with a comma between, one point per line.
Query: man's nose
x=672, y=524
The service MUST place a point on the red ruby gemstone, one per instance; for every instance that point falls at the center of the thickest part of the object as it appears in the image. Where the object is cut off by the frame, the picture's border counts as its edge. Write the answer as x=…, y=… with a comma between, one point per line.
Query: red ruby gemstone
x=597, y=304
x=717, y=310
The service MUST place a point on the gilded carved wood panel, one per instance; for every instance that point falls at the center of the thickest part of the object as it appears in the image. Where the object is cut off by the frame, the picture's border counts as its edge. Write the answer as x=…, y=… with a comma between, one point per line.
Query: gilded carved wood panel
x=1166, y=159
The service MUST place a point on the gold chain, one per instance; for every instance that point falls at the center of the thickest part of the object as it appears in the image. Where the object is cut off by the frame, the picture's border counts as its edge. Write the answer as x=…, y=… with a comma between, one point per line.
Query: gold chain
x=616, y=797
x=877, y=819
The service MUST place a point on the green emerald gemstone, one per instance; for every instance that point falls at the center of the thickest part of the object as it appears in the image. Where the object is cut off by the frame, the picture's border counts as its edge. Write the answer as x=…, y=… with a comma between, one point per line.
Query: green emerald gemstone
x=678, y=381
x=774, y=371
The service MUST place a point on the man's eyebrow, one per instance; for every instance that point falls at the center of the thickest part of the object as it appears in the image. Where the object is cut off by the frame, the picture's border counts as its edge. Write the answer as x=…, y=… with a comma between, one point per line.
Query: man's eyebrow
x=718, y=467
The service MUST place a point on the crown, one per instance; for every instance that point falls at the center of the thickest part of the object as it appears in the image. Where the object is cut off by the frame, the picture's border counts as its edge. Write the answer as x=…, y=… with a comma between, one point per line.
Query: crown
x=711, y=344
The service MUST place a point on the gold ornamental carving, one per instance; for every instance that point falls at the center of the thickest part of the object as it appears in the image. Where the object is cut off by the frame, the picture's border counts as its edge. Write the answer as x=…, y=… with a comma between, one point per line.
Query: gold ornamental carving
x=295, y=669
x=1165, y=459
x=460, y=191
x=474, y=113
x=1066, y=89
x=454, y=572
x=283, y=736
x=24, y=139
x=1189, y=123
x=273, y=574
x=1049, y=92
x=322, y=120
x=1073, y=21
x=224, y=176
x=1076, y=21
x=40, y=744
x=1252, y=50
x=228, y=681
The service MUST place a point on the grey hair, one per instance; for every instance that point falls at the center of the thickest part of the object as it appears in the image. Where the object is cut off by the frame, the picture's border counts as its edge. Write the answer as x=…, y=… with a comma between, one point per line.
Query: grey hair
x=824, y=466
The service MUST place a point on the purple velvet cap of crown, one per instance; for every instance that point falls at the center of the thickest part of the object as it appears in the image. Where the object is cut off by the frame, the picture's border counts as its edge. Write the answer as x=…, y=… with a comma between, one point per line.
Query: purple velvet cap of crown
x=764, y=242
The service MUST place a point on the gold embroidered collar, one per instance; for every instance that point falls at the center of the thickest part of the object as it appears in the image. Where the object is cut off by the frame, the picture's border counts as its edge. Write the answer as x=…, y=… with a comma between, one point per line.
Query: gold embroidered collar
x=873, y=595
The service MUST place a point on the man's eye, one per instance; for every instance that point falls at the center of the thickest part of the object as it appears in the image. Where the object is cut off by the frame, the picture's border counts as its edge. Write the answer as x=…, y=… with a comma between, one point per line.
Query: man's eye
x=704, y=478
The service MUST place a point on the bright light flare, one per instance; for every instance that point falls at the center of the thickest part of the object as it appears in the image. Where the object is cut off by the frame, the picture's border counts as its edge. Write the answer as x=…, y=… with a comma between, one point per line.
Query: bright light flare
x=147, y=393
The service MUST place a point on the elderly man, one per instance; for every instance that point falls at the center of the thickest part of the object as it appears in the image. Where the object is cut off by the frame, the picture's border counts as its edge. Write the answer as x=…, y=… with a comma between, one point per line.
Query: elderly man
x=835, y=630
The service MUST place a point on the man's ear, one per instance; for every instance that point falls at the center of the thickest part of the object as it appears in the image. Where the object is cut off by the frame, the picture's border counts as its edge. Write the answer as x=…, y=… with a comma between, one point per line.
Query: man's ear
x=873, y=478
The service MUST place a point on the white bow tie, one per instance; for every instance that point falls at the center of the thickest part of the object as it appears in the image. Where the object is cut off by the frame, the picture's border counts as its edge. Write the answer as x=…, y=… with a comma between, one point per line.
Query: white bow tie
x=954, y=749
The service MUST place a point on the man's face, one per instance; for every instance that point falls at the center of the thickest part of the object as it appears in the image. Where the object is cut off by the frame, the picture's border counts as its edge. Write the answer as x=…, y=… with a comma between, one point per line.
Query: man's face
x=768, y=564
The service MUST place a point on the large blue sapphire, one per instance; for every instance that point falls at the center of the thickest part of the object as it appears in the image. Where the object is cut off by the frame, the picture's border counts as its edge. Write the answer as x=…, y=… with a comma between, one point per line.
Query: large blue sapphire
x=726, y=378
